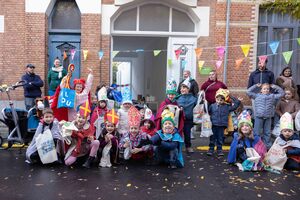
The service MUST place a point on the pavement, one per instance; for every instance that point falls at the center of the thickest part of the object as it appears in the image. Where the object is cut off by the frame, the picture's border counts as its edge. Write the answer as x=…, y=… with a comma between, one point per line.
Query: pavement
x=202, y=177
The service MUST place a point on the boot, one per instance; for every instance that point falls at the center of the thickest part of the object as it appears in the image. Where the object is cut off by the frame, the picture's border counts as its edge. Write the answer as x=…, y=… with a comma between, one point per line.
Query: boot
x=88, y=162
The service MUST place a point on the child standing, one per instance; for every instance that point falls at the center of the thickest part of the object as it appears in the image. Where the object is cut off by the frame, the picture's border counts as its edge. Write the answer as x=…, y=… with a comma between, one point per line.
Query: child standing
x=83, y=140
x=245, y=138
x=264, y=103
x=187, y=102
x=219, y=112
x=288, y=103
x=123, y=126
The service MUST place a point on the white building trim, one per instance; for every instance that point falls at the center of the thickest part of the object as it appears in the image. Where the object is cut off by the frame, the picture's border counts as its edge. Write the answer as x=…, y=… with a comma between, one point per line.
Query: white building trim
x=107, y=12
x=1, y=23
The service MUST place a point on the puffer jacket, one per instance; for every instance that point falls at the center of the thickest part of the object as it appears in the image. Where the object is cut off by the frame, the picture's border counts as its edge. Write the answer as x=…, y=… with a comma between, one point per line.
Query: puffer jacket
x=219, y=113
x=265, y=103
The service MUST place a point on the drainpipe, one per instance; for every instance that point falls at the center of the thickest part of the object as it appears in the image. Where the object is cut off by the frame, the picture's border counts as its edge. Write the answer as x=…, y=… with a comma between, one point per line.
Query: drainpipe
x=226, y=40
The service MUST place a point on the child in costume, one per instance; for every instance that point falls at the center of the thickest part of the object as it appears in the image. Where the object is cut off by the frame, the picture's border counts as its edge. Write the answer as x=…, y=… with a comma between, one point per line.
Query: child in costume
x=219, y=112
x=83, y=140
x=147, y=124
x=171, y=104
x=289, y=141
x=243, y=139
x=108, y=149
x=187, y=102
x=97, y=118
x=129, y=143
x=264, y=103
x=167, y=142
x=123, y=126
x=48, y=122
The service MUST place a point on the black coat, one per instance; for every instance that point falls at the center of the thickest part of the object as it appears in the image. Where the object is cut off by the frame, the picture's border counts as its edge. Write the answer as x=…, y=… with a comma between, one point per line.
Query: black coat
x=32, y=88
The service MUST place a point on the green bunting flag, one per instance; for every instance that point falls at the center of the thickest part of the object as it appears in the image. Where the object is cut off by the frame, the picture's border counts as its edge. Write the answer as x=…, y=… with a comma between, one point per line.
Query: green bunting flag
x=287, y=56
x=156, y=52
x=298, y=40
x=170, y=62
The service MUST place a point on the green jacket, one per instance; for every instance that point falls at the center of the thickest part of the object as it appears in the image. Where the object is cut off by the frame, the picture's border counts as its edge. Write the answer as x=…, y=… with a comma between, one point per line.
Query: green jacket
x=53, y=80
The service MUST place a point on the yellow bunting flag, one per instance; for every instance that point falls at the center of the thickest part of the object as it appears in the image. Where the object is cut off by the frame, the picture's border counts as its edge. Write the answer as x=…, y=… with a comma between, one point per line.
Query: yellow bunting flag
x=198, y=52
x=245, y=49
x=85, y=54
x=238, y=63
x=65, y=55
x=156, y=52
x=200, y=64
x=114, y=53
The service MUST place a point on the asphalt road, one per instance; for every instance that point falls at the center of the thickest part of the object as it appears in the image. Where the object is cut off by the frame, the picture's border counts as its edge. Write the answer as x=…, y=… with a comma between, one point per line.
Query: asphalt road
x=202, y=178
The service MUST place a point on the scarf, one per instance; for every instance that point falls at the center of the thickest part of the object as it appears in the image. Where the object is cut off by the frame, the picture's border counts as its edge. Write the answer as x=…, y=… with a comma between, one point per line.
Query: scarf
x=59, y=70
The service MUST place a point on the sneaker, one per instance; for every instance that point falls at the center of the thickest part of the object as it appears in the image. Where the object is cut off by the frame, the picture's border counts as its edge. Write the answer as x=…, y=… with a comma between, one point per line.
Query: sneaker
x=189, y=150
x=220, y=153
x=210, y=152
x=173, y=166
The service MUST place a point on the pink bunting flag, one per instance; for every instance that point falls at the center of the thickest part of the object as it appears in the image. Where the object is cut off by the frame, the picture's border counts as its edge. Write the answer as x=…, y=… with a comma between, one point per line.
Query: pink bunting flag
x=238, y=63
x=198, y=52
x=263, y=59
x=177, y=53
x=218, y=64
x=220, y=52
x=73, y=52
x=85, y=54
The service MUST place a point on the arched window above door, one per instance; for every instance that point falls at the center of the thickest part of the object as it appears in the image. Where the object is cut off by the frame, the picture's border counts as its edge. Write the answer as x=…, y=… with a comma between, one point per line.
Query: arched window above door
x=154, y=18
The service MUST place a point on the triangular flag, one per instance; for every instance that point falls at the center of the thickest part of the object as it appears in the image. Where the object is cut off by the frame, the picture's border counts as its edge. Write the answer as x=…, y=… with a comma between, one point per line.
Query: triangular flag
x=245, y=49
x=298, y=40
x=139, y=50
x=274, y=45
x=184, y=62
x=100, y=53
x=170, y=62
x=218, y=63
x=198, y=52
x=220, y=52
x=73, y=52
x=156, y=52
x=287, y=56
x=114, y=53
x=200, y=64
x=85, y=54
x=238, y=63
x=263, y=59
x=65, y=55
x=177, y=53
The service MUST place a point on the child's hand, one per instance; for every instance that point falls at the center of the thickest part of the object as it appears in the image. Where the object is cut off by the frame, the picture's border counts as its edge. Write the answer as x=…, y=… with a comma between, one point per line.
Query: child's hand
x=90, y=70
x=136, y=150
x=126, y=144
x=90, y=138
x=258, y=84
x=240, y=98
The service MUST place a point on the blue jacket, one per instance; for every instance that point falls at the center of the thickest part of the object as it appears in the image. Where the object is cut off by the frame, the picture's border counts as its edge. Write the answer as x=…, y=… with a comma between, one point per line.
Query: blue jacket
x=261, y=77
x=265, y=103
x=187, y=102
x=219, y=113
x=32, y=88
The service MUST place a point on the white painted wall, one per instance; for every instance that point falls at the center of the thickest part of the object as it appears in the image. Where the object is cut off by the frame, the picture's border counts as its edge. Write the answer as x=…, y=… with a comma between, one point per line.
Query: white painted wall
x=107, y=12
x=203, y=25
x=1, y=23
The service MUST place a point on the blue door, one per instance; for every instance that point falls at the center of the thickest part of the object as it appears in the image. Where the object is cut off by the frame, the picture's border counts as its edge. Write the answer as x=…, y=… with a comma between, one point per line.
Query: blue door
x=59, y=45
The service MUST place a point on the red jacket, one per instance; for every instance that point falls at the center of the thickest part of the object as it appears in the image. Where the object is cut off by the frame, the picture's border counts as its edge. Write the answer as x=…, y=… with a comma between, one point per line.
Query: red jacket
x=210, y=92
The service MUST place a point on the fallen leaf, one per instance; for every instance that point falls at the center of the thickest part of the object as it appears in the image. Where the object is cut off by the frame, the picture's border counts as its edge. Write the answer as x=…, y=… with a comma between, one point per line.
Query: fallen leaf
x=280, y=193
x=128, y=185
x=298, y=175
x=272, y=181
x=259, y=195
x=39, y=184
x=168, y=190
x=202, y=177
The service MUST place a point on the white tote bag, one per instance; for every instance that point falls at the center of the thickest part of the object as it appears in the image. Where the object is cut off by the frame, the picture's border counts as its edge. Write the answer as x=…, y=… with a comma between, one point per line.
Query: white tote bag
x=198, y=110
x=46, y=148
x=105, y=159
x=206, y=127
x=276, y=157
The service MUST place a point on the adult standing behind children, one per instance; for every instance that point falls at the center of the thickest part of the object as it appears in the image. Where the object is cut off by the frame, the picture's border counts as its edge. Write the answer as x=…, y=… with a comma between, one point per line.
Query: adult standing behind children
x=211, y=86
x=55, y=75
x=285, y=80
x=32, y=88
x=194, y=85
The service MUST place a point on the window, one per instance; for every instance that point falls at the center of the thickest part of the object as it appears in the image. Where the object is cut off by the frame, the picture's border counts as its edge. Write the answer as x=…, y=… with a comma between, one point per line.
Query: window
x=65, y=15
x=280, y=27
x=125, y=22
x=154, y=17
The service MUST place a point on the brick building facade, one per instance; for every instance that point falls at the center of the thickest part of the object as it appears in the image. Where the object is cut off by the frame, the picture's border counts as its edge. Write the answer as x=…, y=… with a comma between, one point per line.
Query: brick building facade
x=25, y=37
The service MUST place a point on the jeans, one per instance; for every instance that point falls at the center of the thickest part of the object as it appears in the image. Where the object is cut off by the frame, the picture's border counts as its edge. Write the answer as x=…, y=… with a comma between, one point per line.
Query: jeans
x=169, y=157
x=262, y=127
x=188, y=125
x=29, y=102
x=217, y=137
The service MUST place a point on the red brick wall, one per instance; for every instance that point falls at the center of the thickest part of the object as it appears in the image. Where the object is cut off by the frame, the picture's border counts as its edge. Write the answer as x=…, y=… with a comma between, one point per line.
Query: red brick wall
x=105, y=62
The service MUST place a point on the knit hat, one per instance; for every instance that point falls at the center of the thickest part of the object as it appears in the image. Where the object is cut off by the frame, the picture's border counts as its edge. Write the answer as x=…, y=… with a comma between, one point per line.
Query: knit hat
x=85, y=110
x=171, y=87
x=126, y=96
x=187, y=83
x=134, y=117
x=286, y=121
x=244, y=117
x=102, y=94
x=167, y=115
x=111, y=117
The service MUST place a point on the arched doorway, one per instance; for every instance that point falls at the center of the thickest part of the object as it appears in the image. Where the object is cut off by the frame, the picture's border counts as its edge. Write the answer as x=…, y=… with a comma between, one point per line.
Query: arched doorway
x=64, y=34
x=138, y=30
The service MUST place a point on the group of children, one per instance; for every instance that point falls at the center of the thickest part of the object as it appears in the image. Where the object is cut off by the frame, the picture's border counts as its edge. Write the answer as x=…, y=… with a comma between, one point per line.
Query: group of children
x=108, y=137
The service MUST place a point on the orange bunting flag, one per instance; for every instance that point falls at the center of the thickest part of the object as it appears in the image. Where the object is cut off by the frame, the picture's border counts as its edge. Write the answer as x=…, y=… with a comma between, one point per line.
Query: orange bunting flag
x=245, y=49
x=177, y=53
x=85, y=54
x=238, y=63
x=198, y=52
x=65, y=55
x=200, y=64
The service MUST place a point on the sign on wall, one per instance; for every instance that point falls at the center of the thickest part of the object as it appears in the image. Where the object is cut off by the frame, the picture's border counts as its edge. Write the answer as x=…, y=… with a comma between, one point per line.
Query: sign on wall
x=1, y=23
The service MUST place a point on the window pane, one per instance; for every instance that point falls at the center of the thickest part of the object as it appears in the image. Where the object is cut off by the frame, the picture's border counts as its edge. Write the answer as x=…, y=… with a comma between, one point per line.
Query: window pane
x=262, y=40
x=126, y=21
x=182, y=22
x=66, y=15
x=262, y=16
x=270, y=16
x=154, y=17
